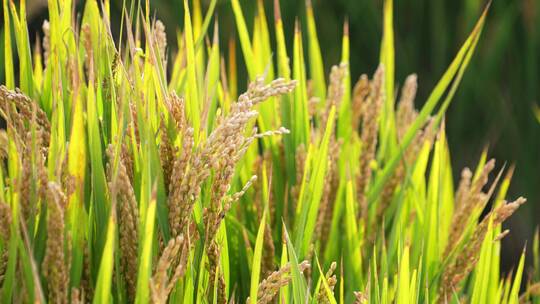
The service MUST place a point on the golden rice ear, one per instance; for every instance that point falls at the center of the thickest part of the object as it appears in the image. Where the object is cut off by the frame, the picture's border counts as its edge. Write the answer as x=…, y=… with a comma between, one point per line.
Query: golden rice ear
x=270, y=286
x=55, y=263
x=160, y=38
x=172, y=257
x=469, y=256
x=331, y=281
x=128, y=221
x=406, y=113
x=5, y=224
x=19, y=104
x=214, y=253
x=5, y=220
x=336, y=90
x=370, y=127
x=468, y=200
x=167, y=154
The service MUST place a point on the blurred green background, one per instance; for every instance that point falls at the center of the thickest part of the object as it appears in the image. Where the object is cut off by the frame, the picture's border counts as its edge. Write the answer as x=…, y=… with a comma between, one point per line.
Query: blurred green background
x=494, y=104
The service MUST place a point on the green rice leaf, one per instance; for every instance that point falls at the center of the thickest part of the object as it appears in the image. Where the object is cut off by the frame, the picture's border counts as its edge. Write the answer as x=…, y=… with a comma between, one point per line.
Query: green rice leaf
x=324, y=283
x=514, y=293
x=8, y=53
x=193, y=105
x=257, y=257
x=23, y=48
x=316, y=65
x=310, y=208
x=300, y=114
x=205, y=24
x=145, y=256
x=104, y=280
x=244, y=39
x=387, y=121
x=299, y=286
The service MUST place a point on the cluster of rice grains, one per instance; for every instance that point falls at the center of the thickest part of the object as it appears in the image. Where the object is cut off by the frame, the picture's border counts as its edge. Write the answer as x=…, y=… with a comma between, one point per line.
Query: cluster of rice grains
x=120, y=184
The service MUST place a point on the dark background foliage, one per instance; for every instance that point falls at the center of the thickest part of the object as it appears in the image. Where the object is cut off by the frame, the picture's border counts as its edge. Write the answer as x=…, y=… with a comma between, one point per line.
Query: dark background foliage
x=494, y=105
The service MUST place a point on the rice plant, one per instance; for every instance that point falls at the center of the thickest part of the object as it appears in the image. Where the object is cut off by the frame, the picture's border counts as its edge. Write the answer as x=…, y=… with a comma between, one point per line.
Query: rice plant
x=132, y=173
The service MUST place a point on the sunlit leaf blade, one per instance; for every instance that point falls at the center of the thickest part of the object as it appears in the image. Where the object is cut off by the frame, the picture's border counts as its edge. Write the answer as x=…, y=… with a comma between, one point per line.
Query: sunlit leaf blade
x=26, y=78
x=145, y=265
x=245, y=42
x=103, y=285
x=299, y=287
x=315, y=57
x=192, y=87
x=8, y=53
x=344, y=114
x=256, y=266
x=324, y=285
x=310, y=208
x=514, y=293
x=387, y=57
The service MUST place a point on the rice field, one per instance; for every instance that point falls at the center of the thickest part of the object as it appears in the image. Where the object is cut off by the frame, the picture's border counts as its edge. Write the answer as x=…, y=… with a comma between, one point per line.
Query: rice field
x=137, y=169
